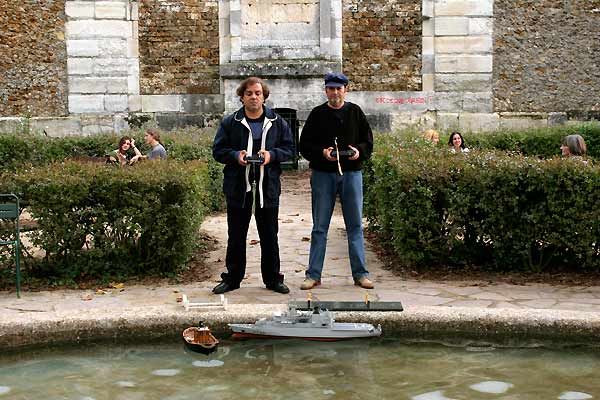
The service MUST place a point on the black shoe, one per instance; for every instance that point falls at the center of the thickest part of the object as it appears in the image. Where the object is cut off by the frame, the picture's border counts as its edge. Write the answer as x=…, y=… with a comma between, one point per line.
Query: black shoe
x=224, y=287
x=279, y=287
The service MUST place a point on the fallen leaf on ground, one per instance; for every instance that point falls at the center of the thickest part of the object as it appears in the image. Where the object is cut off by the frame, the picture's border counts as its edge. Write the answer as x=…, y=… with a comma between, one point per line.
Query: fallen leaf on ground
x=116, y=285
x=101, y=291
x=254, y=241
x=305, y=239
x=298, y=270
x=293, y=215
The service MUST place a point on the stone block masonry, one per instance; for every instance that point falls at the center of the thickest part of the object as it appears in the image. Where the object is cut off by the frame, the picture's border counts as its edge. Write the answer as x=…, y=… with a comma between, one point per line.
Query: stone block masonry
x=179, y=47
x=459, y=64
x=382, y=44
x=33, y=76
x=547, y=55
x=463, y=57
x=102, y=62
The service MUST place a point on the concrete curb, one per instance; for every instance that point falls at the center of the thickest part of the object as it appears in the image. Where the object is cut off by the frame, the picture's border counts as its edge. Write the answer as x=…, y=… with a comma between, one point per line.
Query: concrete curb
x=449, y=324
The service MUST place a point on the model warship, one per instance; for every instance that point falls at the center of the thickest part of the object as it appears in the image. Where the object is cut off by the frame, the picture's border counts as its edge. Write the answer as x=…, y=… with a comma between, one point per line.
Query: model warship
x=316, y=324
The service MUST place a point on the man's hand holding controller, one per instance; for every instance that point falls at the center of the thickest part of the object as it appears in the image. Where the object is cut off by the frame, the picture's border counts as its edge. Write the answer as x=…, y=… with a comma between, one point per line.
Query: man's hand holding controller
x=332, y=155
x=262, y=158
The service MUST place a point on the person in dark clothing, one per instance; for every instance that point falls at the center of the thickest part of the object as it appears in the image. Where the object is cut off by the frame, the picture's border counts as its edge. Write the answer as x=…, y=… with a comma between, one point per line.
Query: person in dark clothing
x=252, y=142
x=336, y=139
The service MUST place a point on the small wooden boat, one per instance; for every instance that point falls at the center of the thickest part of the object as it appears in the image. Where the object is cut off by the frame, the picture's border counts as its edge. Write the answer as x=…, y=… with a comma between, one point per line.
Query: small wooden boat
x=199, y=339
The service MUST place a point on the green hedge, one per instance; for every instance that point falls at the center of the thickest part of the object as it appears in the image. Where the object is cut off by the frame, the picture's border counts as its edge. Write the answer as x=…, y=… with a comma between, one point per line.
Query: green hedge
x=97, y=220
x=19, y=149
x=25, y=150
x=486, y=208
x=543, y=142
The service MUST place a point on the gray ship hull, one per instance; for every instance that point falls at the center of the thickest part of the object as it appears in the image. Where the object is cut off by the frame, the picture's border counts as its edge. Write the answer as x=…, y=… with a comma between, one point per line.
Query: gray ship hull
x=336, y=331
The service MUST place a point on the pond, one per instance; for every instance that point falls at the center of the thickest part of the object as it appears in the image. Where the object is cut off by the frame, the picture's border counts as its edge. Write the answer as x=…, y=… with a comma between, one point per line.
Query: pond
x=293, y=369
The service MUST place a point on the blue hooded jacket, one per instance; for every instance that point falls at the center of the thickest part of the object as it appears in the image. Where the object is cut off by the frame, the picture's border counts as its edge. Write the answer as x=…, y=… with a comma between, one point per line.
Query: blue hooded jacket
x=233, y=136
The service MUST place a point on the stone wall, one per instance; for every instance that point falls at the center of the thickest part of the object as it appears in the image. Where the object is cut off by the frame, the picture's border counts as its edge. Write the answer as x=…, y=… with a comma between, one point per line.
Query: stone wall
x=33, y=59
x=179, y=47
x=280, y=29
x=102, y=66
x=80, y=66
x=546, y=55
x=382, y=44
x=460, y=49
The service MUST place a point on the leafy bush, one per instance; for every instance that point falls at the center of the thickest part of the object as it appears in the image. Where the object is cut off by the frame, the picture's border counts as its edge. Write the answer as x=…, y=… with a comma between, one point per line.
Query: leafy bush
x=19, y=151
x=507, y=211
x=543, y=142
x=97, y=220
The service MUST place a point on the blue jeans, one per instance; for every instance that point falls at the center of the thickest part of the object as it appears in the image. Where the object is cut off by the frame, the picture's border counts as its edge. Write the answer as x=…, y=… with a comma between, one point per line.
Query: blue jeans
x=325, y=187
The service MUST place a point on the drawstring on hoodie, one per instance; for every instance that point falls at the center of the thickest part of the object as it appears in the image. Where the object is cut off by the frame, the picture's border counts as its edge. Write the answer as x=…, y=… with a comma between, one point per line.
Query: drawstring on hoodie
x=254, y=197
x=252, y=187
x=338, y=156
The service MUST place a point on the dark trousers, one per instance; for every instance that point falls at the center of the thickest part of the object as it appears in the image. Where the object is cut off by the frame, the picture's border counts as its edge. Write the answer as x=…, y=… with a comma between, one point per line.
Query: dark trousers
x=238, y=221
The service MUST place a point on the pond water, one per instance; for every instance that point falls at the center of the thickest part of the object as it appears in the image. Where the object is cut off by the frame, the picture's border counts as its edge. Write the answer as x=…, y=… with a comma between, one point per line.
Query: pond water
x=293, y=369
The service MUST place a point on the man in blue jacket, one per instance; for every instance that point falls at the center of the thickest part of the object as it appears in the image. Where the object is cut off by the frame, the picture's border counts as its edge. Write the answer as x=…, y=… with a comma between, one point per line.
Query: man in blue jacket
x=252, y=142
x=336, y=139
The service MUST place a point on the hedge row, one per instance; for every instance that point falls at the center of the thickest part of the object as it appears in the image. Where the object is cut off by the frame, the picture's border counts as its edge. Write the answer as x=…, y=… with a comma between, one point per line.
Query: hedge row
x=542, y=142
x=21, y=151
x=96, y=220
x=485, y=208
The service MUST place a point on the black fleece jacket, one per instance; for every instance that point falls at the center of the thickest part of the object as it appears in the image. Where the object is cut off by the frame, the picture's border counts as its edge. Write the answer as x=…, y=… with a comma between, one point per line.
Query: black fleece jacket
x=324, y=124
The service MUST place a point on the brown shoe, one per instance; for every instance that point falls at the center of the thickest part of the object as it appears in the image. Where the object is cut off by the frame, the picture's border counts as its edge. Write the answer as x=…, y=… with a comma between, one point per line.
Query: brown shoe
x=309, y=284
x=364, y=283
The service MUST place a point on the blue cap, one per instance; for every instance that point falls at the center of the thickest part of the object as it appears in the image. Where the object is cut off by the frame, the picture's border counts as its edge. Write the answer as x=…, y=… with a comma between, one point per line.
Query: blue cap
x=335, y=79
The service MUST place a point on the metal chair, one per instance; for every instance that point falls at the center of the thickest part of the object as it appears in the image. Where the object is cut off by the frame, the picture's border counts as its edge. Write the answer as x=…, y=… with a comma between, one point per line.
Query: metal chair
x=10, y=210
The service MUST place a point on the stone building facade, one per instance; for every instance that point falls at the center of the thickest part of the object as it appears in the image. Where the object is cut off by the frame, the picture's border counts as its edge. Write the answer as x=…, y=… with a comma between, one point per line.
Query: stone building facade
x=81, y=66
x=33, y=59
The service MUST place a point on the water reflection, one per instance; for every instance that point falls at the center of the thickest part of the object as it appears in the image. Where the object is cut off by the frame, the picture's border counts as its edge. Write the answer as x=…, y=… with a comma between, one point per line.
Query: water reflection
x=284, y=369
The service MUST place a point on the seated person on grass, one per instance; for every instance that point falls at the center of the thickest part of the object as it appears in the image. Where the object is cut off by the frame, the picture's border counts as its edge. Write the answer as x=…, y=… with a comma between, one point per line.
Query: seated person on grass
x=456, y=143
x=158, y=152
x=126, y=154
x=432, y=136
x=573, y=146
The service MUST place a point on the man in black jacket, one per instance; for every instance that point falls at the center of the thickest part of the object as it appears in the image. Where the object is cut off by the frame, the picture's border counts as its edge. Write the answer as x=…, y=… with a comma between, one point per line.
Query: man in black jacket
x=252, y=142
x=336, y=138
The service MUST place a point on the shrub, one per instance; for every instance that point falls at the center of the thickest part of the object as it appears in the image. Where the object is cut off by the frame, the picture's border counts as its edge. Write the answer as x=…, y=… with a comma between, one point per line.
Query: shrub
x=508, y=211
x=19, y=151
x=543, y=142
x=96, y=220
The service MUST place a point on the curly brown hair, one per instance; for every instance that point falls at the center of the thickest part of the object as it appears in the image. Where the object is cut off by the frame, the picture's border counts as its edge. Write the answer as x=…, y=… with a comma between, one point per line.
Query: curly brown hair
x=122, y=142
x=251, y=81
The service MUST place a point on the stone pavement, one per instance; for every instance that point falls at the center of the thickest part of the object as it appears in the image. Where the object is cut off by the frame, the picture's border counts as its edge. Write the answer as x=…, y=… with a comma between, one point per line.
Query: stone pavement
x=295, y=227
x=450, y=299
x=337, y=284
